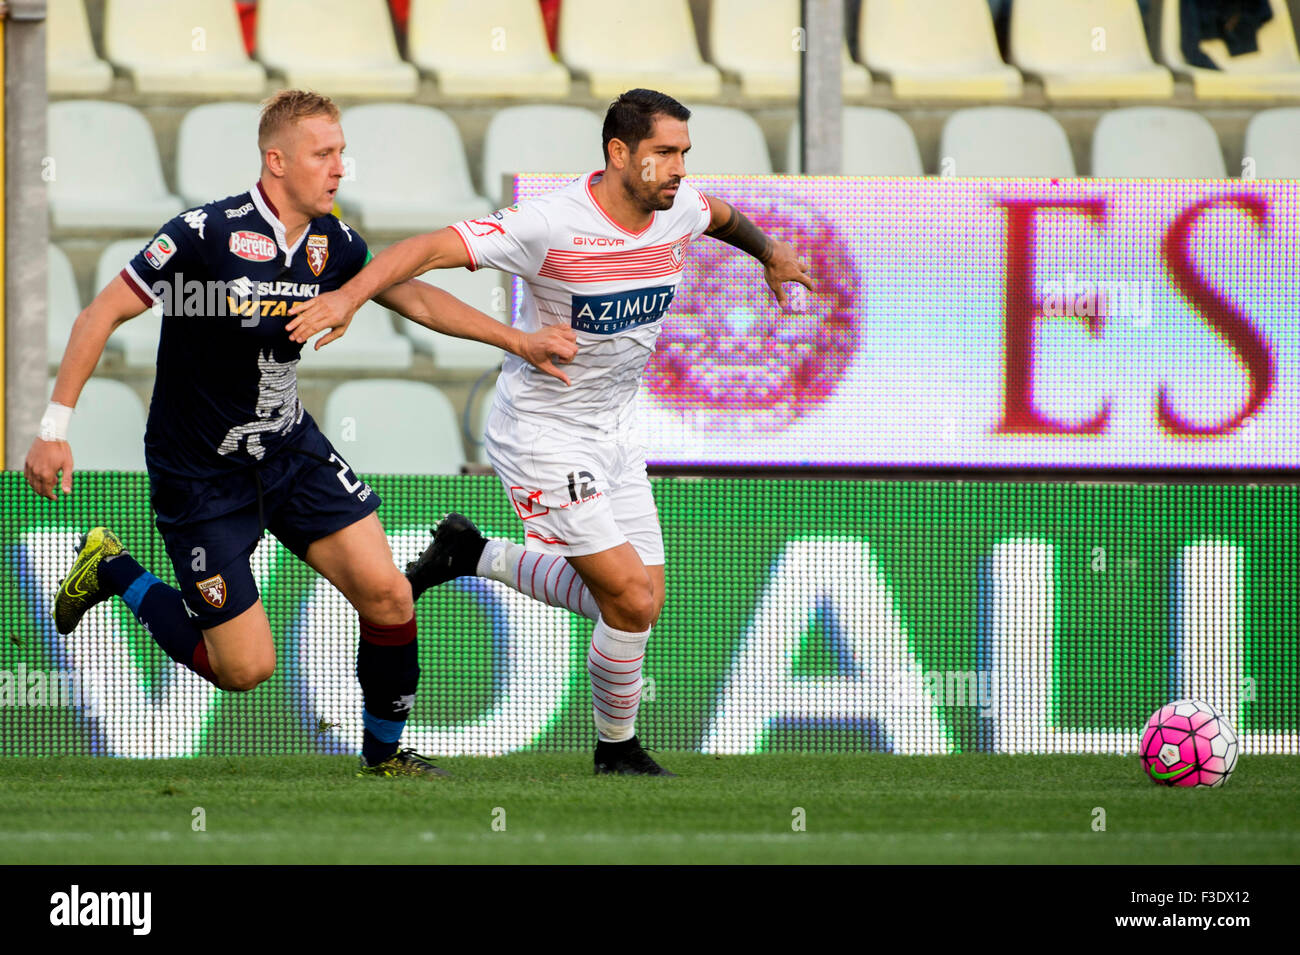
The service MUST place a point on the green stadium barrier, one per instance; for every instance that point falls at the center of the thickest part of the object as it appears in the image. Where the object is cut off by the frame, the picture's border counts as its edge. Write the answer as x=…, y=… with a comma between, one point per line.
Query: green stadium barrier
x=802, y=615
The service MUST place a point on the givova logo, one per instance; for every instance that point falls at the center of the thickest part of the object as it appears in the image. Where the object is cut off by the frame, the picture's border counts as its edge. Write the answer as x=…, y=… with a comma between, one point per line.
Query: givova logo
x=74, y=908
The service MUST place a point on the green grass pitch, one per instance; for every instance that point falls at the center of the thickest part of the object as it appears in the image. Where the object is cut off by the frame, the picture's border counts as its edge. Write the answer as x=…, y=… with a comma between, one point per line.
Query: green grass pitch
x=857, y=808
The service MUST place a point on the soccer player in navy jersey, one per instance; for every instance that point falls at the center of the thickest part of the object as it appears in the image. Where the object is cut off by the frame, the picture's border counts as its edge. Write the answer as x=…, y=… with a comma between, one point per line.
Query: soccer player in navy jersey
x=603, y=256
x=230, y=450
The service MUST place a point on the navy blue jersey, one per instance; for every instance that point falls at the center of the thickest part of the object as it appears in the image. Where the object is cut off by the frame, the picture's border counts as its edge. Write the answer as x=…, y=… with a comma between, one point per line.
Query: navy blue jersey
x=226, y=392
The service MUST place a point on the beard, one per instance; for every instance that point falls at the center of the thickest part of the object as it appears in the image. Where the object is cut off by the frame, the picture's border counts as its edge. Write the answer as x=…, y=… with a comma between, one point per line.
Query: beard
x=648, y=195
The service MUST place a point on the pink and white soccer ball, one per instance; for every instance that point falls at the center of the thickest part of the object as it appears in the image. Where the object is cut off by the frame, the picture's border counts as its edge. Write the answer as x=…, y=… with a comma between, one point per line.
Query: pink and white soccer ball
x=1188, y=743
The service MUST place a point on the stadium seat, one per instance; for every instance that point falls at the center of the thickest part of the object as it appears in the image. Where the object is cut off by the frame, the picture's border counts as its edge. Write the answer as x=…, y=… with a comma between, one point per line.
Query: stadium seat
x=1004, y=141
x=71, y=66
x=485, y=48
x=1086, y=49
x=190, y=47
x=539, y=139
x=138, y=338
x=935, y=49
x=755, y=40
x=338, y=47
x=620, y=46
x=64, y=302
x=370, y=343
x=216, y=152
x=1273, y=144
x=388, y=426
x=485, y=290
x=474, y=419
x=96, y=188
x=875, y=142
x=1271, y=72
x=107, y=428
x=1152, y=142
x=726, y=140
x=410, y=168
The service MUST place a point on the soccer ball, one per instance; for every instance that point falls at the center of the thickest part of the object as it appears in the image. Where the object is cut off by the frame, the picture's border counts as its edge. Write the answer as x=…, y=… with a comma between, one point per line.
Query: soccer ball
x=1187, y=743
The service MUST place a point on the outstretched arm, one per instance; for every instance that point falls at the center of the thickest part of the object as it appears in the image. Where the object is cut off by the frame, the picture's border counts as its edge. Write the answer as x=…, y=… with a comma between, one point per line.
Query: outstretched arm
x=397, y=263
x=50, y=452
x=443, y=312
x=780, y=261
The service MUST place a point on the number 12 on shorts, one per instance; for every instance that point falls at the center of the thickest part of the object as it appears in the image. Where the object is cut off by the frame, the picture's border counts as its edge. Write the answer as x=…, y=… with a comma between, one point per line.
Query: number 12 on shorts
x=587, y=490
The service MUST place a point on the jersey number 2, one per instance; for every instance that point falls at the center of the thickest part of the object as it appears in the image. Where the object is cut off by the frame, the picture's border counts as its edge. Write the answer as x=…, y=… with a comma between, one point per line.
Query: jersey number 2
x=349, y=486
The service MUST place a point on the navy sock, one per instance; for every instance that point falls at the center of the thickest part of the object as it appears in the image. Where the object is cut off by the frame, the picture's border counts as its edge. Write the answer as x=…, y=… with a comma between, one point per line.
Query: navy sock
x=161, y=610
x=388, y=669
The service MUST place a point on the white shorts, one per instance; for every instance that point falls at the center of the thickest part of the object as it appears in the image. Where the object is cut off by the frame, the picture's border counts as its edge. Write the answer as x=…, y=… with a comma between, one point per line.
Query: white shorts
x=576, y=494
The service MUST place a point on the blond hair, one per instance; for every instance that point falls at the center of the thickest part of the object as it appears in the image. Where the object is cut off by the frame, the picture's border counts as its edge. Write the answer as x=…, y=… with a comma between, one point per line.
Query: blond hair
x=288, y=107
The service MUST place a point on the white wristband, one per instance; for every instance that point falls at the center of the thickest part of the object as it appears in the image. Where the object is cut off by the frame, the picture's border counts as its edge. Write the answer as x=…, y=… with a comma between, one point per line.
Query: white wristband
x=54, y=423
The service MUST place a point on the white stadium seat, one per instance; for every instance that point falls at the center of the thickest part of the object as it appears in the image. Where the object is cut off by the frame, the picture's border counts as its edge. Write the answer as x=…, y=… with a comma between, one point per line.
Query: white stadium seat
x=106, y=432
x=387, y=426
x=138, y=338
x=485, y=48
x=757, y=41
x=875, y=142
x=937, y=49
x=370, y=343
x=539, y=139
x=1273, y=143
x=726, y=140
x=478, y=407
x=1272, y=72
x=620, y=46
x=483, y=289
x=1004, y=141
x=92, y=187
x=410, y=168
x=71, y=66
x=1086, y=49
x=194, y=46
x=216, y=152
x=338, y=47
x=1156, y=143
x=64, y=303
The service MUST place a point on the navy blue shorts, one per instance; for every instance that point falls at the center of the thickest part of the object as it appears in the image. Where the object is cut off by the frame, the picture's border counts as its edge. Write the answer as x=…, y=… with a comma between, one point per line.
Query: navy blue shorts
x=306, y=491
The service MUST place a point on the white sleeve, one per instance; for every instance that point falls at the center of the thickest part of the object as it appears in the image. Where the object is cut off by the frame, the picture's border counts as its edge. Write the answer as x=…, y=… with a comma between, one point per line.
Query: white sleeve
x=704, y=217
x=513, y=239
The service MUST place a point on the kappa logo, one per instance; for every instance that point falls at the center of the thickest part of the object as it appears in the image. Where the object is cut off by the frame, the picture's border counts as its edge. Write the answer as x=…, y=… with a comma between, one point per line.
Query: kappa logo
x=213, y=590
x=318, y=252
x=160, y=250
x=195, y=219
x=243, y=210
x=528, y=504
x=346, y=231
x=252, y=246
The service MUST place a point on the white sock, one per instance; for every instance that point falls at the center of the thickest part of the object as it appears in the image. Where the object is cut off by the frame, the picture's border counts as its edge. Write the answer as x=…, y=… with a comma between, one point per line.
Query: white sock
x=545, y=577
x=614, y=664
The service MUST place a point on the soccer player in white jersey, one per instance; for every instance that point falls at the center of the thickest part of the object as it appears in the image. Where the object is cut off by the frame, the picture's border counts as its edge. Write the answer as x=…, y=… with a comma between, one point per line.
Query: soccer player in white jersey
x=603, y=255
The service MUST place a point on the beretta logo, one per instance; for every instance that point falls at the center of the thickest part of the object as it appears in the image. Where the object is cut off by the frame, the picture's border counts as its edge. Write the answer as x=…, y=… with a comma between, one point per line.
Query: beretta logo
x=252, y=246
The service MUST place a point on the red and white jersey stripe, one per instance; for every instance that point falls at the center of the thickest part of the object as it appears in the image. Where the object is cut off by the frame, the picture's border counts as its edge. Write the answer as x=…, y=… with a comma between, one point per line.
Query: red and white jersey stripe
x=581, y=268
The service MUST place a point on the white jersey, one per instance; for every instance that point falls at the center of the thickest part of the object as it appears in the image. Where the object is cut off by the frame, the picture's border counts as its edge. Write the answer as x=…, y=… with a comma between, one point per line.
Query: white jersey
x=582, y=269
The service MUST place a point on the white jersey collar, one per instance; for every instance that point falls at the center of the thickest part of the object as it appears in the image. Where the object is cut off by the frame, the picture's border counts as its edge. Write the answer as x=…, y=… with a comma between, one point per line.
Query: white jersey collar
x=267, y=210
x=587, y=184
